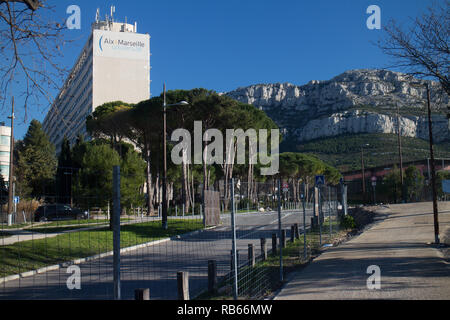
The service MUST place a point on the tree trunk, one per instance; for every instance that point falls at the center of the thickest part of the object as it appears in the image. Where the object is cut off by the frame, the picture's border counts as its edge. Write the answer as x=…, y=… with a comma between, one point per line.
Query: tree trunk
x=185, y=183
x=149, y=184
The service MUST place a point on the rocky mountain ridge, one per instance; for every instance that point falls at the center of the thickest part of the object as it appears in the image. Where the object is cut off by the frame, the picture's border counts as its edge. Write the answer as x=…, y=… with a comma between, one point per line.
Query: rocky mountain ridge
x=356, y=101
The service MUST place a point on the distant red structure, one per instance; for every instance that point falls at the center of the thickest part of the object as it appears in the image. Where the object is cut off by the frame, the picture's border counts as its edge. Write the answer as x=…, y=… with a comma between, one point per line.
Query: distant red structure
x=381, y=171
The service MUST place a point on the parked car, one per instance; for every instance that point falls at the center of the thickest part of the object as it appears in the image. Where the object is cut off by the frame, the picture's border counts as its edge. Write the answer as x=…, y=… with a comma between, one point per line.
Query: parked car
x=51, y=212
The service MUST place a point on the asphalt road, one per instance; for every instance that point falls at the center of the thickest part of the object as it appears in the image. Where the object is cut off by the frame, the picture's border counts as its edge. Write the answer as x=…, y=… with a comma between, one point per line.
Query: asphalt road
x=156, y=266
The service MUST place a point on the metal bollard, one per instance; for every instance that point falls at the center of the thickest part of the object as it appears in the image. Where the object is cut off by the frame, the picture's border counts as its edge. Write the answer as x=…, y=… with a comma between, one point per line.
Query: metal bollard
x=212, y=276
x=263, y=249
x=274, y=243
x=251, y=255
x=183, y=285
x=142, y=294
x=283, y=239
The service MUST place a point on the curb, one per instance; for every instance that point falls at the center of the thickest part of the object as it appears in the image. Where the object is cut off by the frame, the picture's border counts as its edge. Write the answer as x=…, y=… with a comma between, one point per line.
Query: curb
x=97, y=256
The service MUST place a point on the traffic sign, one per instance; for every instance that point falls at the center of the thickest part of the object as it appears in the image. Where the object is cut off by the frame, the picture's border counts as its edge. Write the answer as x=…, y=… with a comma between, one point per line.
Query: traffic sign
x=320, y=180
x=374, y=178
x=446, y=186
x=285, y=187
x=16, y=199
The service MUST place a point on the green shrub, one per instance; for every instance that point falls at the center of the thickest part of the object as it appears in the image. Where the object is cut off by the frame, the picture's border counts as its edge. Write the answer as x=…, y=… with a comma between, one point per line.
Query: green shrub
x=348, y=222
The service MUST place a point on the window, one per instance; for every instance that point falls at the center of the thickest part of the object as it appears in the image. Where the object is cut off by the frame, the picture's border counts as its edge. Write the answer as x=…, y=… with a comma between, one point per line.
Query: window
x=4, y=169
x=4, y=154
x=4, y=140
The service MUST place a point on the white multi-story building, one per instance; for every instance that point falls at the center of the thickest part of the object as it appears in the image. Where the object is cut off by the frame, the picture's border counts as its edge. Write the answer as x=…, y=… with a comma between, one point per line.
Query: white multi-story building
x=113, y=65
x=5, y=145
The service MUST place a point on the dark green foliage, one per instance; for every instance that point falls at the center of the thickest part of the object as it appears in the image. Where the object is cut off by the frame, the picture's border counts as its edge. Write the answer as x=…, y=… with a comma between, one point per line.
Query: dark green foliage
x=132, y=179
x=344, y=152
x=94, y=178
x=101, y=123
x=306, y=166
x=441, y=175
x=3, y=191
x=391, y=186
x=348, y=222
x=413, y=180
x=64, y=173
x=36, y=163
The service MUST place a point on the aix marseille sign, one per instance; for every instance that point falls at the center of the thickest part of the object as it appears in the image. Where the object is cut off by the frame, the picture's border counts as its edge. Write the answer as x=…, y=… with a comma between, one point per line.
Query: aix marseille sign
x=121, y=45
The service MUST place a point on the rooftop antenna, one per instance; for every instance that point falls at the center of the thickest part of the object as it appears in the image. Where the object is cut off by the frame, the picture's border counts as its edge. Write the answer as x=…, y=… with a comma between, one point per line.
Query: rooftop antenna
x=113, y=10
x=97, y=15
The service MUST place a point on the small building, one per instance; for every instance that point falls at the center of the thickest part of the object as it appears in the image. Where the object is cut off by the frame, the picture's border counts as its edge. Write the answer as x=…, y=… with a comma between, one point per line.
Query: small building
x=5, y=145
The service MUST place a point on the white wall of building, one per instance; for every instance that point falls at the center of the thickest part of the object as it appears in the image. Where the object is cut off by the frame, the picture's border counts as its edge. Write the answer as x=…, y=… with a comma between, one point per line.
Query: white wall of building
x=114, y=65
x=121, y=69
x=5, y=144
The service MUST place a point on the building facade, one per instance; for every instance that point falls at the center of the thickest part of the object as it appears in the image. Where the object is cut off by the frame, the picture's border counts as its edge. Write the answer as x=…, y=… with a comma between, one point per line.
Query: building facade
x=5, y=145
x=113, y=65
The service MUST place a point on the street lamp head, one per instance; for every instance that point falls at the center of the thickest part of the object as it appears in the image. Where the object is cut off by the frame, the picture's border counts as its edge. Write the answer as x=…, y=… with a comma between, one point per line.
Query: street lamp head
x=181, y=103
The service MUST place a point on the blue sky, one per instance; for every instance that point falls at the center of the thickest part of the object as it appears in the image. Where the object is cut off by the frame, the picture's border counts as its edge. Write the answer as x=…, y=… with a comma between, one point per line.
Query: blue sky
x=222, y=45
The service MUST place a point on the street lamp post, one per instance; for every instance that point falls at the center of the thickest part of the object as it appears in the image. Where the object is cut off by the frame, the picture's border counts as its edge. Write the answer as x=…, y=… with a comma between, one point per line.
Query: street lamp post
x=164, y=190
x=399, y=140
x=363, y=173
x=11, y=162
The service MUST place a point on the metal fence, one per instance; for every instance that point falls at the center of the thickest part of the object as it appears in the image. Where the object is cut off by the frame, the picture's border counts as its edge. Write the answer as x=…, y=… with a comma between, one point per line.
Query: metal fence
x=265, y=228
x=274, y=239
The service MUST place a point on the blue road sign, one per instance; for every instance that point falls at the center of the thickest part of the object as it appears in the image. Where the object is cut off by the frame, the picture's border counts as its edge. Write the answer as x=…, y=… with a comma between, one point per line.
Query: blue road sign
x=320, y=180
x=446, y=186
x=16, y=199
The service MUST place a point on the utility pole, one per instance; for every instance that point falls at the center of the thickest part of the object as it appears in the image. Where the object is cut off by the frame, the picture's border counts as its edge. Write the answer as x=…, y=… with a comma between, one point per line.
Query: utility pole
x=399, y=140
x=363, y=173
x=433, y=172
x=363, y=176
x=431, y=164
x=11, y=162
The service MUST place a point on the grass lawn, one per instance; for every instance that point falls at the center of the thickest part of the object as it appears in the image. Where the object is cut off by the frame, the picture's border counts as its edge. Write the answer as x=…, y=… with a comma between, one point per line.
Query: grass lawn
x=60, y=224
x=60, y=229
x=29, y=255
x=5, y=226
x=70, y=222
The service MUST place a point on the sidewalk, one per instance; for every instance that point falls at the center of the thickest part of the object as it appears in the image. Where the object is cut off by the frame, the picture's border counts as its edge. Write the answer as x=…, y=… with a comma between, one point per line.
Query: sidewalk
x=399, y=243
